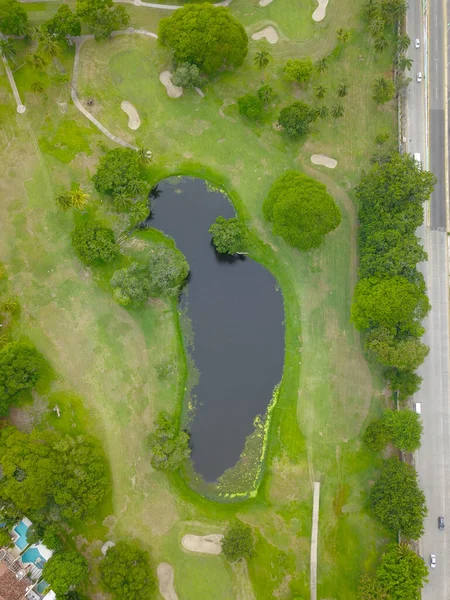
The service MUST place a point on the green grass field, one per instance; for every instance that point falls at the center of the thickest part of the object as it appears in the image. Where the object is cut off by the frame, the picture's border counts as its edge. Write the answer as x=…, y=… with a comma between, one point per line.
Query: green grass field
x=108, y=357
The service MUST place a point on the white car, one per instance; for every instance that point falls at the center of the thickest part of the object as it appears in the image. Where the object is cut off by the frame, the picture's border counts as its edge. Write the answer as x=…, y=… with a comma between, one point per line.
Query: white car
x=432, y=561
x=417, y=43
x=419, y=77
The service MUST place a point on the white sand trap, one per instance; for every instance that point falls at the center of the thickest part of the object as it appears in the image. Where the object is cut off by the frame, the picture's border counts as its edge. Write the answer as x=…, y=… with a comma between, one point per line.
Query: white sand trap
x=321, y=10
x=106, y=546
x=165, y=578
x=173, y=91
x=134, y=122
x=264, y=2
x=207, y=544
x=325, y=161
x=269, y=33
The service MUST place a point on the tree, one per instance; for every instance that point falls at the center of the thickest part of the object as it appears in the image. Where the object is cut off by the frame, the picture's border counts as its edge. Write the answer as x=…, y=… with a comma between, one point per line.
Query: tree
x=205, y=35
x=404, y=62
x=405, y=354
x=163, y=275
x=63, y=24
x=10, y=306
x=250, y=106
x=406, y=383
x=376, y=435
x=38, y=88
x=118, y=172
x=266, y=93
x=298, y=70
x=228, y=235
x=383, y=90
x=402, y=573
x=79, y=199
x=342, y=90
x=261, y=59
x=320, y=91
x=321, y=111
x=343, y=36
x=5, y=538
x=168, y=444
x=94, y=243
x=397, y=501
x=296, y=119
x=238, y=541
x=48, y=45
x=125, y=572
x=122, y=202
x=46, y=532
x=20, y=369
x=380, y=44
x=376, y=27
x=7, y=49
x=403, y=43
x=139, y=211
x=13, y=18
x=102, y=17
x=187, y=76
x=404, y=428
x=65, y=570
x=301, y=210
x=337, y=111
x=394, y=303
x=322, y=65
x=64, y=201
x=370, y=589
x=382, y=138
x=36, y=61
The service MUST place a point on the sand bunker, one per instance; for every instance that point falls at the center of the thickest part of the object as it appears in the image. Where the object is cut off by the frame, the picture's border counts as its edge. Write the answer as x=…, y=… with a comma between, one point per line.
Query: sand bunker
x=269, y=33
x=165, y=578
x=106, y=546
x=264, y=2
x=207, y=544
x=321, y=10
x=325, y=161
x=173, y=91
x=134, y=122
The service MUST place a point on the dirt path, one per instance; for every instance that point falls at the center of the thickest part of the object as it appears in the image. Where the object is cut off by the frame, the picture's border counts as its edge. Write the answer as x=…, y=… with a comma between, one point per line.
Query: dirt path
x=242, y=582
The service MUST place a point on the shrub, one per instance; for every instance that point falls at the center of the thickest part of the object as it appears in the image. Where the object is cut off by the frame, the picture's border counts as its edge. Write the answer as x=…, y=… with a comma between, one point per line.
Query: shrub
x=94, y=243
x=301, y=210
x=250, y=106
x=238, y=541
x=125, y=573
x=228, y=235
x=187, y=76
x=20, y=369
x=296, y=119
x=376, y=435
x=299, y=70
x=168, y=445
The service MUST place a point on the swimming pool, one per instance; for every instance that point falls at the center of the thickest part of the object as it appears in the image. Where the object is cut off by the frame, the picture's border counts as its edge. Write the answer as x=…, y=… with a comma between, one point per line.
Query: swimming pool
x=41, y=587
x=32, y=555
x=21, y=530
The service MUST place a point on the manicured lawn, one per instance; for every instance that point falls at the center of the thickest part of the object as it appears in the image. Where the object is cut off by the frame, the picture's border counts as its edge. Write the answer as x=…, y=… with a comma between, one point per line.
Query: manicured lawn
x=108, y=356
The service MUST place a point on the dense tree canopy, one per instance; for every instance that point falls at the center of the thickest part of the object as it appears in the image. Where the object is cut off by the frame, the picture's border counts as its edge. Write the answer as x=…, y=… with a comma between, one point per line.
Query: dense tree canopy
x=118, y=170
x=296, y=119
x=205, y=35
x=397, y=501
x=13, y=18
x=93, y=242
x=228, y=235
x=163, y=274
x=406, y=383
x=402, y=573
x=168, y=444
x=299, y=70
x=238, y=541
x=102, y=17
x=65, y=570
x=405, y=353
x=301, y=210
x=44, y=470
x=250, y=106
x=20, y=369
x=63, y=24
x=404, y=428
x=126, y=574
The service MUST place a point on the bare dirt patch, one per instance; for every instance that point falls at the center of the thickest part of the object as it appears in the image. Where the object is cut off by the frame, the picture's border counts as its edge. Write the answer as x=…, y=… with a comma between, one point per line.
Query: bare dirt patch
x=206, y=544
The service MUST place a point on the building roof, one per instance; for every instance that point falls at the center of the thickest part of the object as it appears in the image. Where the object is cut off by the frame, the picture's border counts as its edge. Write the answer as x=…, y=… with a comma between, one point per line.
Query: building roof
x=11, y=588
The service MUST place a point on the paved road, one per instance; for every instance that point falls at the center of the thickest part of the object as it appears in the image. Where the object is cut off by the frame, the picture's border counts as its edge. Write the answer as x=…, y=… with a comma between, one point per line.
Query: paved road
x=433, y=458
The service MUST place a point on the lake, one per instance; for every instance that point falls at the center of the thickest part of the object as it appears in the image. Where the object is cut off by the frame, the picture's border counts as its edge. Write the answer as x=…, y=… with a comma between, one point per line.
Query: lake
x=237, y=318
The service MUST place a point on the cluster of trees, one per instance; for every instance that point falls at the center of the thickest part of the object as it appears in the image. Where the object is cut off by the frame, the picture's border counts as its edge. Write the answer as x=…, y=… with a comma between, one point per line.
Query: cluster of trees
x=390, y=298
x=94, y=243
x=102, y=17
x=228, y=235
x=400, y=575
x=13, y=18
x=21, y=367
x=169, y=446
x=402, y=428
x=238, y=541
x=77, y=199
x=381, y=14
x=252, y=106
x=125, y=572
x=64, y=571
x=301, y=210
x=164, y=274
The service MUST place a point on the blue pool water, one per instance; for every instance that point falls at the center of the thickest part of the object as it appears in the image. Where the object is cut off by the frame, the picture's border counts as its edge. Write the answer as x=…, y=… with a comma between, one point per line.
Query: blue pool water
x=21, y=530
x=32, y=555
x=41, y=587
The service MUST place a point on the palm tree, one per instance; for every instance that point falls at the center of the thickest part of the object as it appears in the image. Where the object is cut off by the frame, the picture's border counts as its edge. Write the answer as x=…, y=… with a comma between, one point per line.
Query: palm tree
x=342, y=90
x=321, y=111
x=343, y=36
x=337, y=111
x=49, y=46
x=7, y=49
x=404, y=62
x=320, y=91
x=261, y=59
x=10, y=306
x=78, y=198
x=122, y=202
x=136, y=187
x=371, y=10
x=145, y=156
x=38, y=88
x=403, y=43
x=380, y=44
x=266, y=93
x=139, y=211
x=64, y=201
x=376, y=27
x=36, y=61
x=322, y=64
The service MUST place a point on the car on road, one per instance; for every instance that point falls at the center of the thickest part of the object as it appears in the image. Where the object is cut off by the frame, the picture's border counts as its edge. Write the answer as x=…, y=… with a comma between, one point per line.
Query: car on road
x=419, y=77
x=441, y=523
x=432, y=561
x=417, y=43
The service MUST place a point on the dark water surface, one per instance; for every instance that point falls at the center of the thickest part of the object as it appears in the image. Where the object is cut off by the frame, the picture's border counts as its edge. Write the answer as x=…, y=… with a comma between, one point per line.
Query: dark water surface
x=237, y=317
